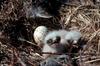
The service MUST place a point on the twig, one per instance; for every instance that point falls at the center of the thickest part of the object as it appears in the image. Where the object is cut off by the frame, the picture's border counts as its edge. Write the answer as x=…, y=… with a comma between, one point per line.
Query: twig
x=99, y=47
x=79, y=57
x=93, y=35
x=64, y=53
x=81, y=61
x=22, y=39
x=92, y=61
x=19, y=59
x=70, y=17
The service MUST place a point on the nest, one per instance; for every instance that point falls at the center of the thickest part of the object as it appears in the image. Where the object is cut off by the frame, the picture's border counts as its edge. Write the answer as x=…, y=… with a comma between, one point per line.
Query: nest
x=15, y=22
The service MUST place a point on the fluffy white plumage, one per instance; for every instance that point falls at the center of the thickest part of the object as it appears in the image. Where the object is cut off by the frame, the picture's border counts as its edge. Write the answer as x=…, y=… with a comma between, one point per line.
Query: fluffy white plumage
x=73, y=36
x=62, y=45
x=62, y=34
x=59, y=47
x=47, y=48
x=53, y=34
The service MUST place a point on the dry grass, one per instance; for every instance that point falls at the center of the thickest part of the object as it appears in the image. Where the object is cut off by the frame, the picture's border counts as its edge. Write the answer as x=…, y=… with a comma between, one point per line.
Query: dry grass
x=85, y=18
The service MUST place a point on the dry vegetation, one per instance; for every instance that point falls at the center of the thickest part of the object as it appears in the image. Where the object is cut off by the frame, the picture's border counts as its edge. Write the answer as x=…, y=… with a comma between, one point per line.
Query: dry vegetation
x=14, y=23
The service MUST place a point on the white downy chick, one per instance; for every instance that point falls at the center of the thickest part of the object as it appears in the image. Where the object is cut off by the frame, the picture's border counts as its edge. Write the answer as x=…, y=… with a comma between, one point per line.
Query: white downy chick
x=73, y=36
x=62, y=34
x=55, y=42
x=48, y=41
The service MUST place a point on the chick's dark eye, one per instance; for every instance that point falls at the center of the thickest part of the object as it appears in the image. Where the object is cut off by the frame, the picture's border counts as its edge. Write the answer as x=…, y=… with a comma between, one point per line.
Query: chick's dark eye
x=49, y=41
x=57, y=39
